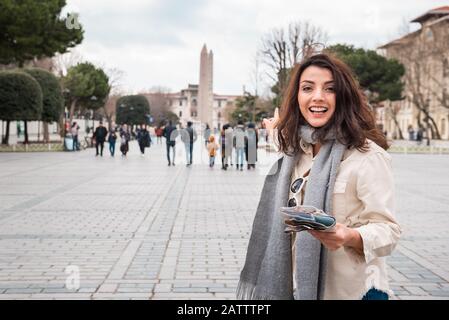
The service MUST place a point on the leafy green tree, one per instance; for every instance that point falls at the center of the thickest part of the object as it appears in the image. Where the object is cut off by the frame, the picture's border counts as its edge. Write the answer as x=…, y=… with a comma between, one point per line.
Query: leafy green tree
x=167, y=115
x=32, y=29
x=20, y=99
x=52, y=99
x=244, y=108
x=381, y=76
x=132, y=110
x=251, y=108
x=86, y=87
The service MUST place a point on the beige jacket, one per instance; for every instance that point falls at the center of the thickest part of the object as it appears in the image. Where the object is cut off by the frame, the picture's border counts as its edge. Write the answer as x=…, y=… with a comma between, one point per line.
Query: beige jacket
x=363, y=199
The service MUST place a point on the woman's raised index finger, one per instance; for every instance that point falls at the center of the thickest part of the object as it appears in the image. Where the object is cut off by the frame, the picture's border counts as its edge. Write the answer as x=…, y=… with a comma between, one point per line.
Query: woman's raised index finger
x=276, y=113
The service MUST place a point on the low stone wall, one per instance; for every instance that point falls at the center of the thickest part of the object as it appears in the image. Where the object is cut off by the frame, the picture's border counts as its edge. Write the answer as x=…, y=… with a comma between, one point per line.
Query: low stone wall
x=419, y=149
x=33, y=147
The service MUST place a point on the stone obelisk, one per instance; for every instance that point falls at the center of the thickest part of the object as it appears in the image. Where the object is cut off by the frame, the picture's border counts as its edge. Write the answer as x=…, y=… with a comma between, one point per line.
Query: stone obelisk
x=205, y=88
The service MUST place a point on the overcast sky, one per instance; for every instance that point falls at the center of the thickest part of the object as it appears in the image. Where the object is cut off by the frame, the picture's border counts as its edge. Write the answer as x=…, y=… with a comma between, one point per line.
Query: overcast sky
x=158, y=42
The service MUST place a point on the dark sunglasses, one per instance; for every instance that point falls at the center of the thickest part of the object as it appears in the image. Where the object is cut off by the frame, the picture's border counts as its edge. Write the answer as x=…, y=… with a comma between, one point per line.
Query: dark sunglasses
x=295, y=188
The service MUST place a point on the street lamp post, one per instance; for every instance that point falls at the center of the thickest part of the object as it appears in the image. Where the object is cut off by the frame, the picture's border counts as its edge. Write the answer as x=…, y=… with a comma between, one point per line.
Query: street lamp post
x=427, y=121
x=66, y=92
x=93, y=98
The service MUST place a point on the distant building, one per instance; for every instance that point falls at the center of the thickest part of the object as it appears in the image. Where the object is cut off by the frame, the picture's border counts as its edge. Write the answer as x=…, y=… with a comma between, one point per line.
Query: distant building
x=425, y=56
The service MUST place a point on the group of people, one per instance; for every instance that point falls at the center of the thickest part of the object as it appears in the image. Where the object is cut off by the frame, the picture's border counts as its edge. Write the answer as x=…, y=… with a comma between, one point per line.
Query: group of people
x=101, y=135
x=415, y=135
x=241, y=141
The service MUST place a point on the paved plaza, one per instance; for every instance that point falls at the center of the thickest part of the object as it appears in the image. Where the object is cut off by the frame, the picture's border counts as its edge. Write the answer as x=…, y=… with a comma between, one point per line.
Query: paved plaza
x=76, y=226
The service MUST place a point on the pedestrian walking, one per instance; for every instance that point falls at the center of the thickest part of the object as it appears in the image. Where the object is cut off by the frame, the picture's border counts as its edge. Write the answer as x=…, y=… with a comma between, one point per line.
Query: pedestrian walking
x=212, y=147
x=419, y=135
x=333, y=158
x=411, y=133
x=100, y=136
x=188, y=137
x=170, y=133
x=239, y=144
x=262, y=134
x=112, y=139
x=226, y=146
x=206, y=135
x=251, y=145
x=159, y=133
x=143, y=139
x=125, y=137
x=74, y=131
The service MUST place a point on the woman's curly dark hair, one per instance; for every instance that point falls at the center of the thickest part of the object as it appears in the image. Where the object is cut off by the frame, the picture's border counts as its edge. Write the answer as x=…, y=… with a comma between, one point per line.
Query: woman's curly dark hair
x=353, y=119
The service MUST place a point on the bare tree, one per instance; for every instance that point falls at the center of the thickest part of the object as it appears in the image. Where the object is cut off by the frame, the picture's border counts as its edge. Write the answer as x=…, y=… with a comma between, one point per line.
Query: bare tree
x=393, y=109
x=439, y=68
x=427, y=73
x=63, y=62
x=159, y=99
x=281, y=49
x=256, y=80
x=115, y=76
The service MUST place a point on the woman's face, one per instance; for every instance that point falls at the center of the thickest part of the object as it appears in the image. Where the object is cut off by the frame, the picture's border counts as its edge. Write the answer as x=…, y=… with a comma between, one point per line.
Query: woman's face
x=316, y=96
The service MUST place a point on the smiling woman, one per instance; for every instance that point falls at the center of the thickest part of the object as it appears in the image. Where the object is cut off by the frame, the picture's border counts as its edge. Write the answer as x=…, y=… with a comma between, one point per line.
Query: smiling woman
x=327, y=135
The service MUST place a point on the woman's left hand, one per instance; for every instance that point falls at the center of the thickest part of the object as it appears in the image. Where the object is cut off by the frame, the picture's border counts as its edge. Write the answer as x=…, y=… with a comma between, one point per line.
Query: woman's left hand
x=341, y=236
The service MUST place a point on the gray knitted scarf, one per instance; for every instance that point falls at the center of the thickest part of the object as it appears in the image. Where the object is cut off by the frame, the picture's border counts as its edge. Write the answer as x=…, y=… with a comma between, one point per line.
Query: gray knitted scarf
x=267, y=273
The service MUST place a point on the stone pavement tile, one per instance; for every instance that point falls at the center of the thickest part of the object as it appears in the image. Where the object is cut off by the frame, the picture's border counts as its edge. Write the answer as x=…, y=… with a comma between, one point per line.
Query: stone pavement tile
x=179, y=282
x=401, y=293
x=14, y=285
x=84, y=296
x=440, y=293
x=222, y=290
x=210, y=284
x=133, y=281
x=183, y=295
x=122, y=295
x=431, y=287
x=14, y=296
x=86, y=290
x=162, y=288
x=134, y=290
x=61, y=290
x=225, y=296
x=18, y=291
x=422, y=298
x=136, y=284
x=203, y=276
x=416, y=291
x=189, y=290
x=108, y=288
